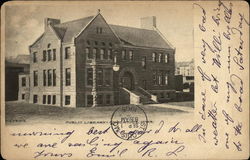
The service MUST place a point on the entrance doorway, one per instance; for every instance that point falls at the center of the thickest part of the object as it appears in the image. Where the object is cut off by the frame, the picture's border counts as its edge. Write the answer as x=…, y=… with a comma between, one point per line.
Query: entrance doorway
x=127, y=81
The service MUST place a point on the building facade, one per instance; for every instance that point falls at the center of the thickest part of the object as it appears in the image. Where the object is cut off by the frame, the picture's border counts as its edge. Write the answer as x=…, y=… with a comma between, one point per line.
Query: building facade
x=88, y=62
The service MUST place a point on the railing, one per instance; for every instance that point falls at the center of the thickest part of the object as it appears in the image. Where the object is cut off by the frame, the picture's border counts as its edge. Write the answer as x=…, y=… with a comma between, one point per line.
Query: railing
x=134, y=99
x=151, y=96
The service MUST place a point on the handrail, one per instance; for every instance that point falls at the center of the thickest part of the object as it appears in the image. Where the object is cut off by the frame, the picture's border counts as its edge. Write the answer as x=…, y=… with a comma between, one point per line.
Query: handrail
x=152, y=97
x=145, y=91
x=130, y=92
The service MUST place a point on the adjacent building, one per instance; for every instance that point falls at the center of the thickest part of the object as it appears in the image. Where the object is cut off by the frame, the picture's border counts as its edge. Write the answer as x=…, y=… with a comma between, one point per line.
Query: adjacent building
x=186, y=70
x=88, y=62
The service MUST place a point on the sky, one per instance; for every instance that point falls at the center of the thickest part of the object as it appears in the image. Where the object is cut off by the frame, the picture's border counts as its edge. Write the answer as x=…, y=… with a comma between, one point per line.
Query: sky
x=24, y=22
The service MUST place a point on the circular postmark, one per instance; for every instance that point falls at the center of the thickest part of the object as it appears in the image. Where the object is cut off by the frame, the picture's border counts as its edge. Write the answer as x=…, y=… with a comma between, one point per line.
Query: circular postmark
x=129, y=122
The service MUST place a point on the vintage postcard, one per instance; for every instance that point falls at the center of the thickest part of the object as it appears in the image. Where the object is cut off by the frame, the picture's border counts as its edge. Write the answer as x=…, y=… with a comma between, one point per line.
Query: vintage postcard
x=125, y=80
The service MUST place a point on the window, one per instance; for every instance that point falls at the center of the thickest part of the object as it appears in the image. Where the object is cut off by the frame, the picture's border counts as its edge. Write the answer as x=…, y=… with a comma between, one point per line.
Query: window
x=131, y=55
x=67, y=76
x=103, y=43
x=54, y=77
x=109, y=54
x=107, y=77
x=102, y=54
x=54, y=99
x=110, y=44
x=23, y=96
x=88, y=42
x=108, y=99
x=98, y=56
x=44, y=55
x=166, y=79
x=154, y=57
x=98, y=30
x=35, y=78
x=166, y=58
x=89, y=55
x=49, y=77
x=49, y=55
x=49, y=99
x=162, y=94
x=90, y=76
x=67, y=52
x=34, y=57
x=67, y=100
x=154, y=77
x=160, y=57
x=54, y=54
x=44, y=77
x=159, y=79
x=44, y=99
x=96, y=43
x=99, y=99
x=23, y=81
x=35, y=98
x=162, y=77
x=99, y=77
x=144, y=62
x=89, y=100
x=94, y=52
x=123, y=55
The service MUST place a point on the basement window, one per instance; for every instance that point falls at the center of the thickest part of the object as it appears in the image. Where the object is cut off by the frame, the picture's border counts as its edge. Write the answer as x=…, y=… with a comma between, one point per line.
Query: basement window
x=67, y=100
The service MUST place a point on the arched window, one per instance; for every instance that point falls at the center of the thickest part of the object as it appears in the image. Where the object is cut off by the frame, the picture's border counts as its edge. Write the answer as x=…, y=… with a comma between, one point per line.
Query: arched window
x=48, y=46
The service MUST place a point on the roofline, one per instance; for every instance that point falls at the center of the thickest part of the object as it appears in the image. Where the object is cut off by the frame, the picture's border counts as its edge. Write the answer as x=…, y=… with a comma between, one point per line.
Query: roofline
x=158, y=31
x=73, y=39
x=37, y=40
x=51, y=27
x=144, y=47
x=91, y=22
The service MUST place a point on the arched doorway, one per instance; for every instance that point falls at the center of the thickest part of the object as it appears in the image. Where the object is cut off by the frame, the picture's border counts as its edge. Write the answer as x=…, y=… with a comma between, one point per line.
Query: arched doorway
x=127, y=80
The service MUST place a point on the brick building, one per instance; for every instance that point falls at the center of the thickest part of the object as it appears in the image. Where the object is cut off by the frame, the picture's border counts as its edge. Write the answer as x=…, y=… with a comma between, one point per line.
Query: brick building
x=88, y=62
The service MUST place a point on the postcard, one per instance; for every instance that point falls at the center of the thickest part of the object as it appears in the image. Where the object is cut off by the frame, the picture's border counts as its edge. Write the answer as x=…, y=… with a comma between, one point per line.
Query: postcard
x=125, y=80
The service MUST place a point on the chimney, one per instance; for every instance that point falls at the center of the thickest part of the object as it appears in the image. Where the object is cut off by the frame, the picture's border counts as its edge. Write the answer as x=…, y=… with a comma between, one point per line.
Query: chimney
x=148, y=22
x=50, y=21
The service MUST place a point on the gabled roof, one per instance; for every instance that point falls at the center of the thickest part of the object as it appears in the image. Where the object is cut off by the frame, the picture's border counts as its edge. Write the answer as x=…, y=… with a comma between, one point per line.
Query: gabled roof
x=66, y=31
x=129, y=35
x=20, y=59
x=140, y=37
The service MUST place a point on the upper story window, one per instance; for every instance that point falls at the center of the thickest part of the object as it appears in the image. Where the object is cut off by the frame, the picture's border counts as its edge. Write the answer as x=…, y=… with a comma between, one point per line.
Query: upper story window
x=123, y=55
x=154, y=77
x=88, y=53
x=67, y=76
x=160, y=57
x=44, y=77
x=34, y=57
x=23, y=81
x=110, y=44
x=166, y=79
x=48, y=46
x=96, y=43
x=98, y=30
x=109, y=54
x=67, y=52
x=49, y=77
x=44, y=55
x=49, y=55
x=35, y=78
x=54, y=77
x=166, y=58
x=99, y=77
x=94, y=52
x=54, y=54
x=144, y=59
x=154, y=57
x=102, y=54
x=103, y=43
x=131, y=55
x=88, y=42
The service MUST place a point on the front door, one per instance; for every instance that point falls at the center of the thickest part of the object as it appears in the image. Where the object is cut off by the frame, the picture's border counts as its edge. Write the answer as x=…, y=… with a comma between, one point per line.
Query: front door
x=127, y=81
